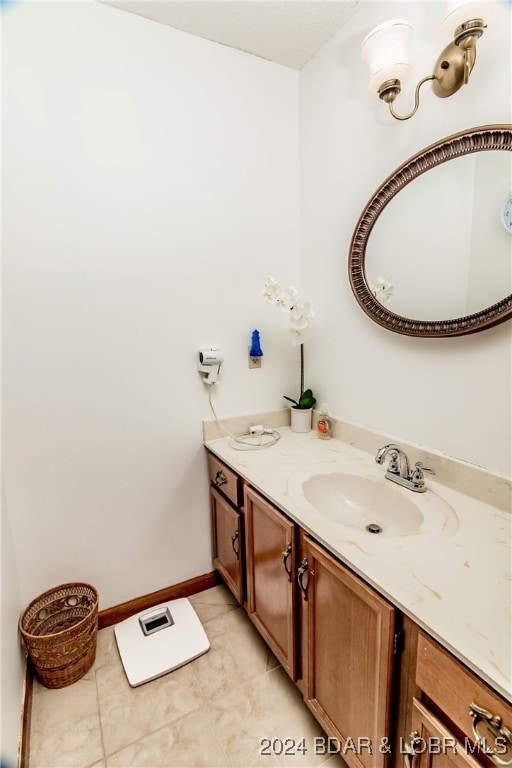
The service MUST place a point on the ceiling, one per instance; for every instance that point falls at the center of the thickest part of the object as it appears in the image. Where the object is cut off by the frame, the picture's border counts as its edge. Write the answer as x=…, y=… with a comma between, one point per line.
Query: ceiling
x=288, y=32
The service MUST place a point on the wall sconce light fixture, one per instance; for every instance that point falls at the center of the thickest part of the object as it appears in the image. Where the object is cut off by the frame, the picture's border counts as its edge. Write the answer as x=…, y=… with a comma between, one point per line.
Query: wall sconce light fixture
x=385, y=50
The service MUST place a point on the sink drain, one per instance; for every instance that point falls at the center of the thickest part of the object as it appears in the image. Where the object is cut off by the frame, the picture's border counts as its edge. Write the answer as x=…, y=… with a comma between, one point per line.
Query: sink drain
x=374, y=528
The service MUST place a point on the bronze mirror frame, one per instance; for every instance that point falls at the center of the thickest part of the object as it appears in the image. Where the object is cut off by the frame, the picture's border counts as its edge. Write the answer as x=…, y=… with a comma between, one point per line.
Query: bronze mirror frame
x=480, y=139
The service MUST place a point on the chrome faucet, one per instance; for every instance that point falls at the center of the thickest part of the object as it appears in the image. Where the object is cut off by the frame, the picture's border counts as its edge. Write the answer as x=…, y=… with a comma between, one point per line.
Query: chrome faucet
x=398, y=464
x=399, y=470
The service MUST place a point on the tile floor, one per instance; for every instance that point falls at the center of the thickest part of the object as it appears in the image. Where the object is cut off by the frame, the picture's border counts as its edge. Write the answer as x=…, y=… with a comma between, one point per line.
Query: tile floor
x=212, y=712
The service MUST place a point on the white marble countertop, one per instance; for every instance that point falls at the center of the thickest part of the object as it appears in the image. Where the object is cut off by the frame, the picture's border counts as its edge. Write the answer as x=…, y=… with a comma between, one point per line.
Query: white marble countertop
x=455, y=583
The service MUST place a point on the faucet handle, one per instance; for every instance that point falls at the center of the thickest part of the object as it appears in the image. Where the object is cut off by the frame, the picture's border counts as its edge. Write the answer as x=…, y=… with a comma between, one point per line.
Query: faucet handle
x=422, y=468
x=418, y=476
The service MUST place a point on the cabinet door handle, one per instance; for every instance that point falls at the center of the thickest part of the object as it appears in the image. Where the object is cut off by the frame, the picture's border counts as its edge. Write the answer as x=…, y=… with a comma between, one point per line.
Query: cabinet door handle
x=286, y=554
x=410, y=749
x=502, y=734
x=235, y=544
x=301, y=572
x=220, y=478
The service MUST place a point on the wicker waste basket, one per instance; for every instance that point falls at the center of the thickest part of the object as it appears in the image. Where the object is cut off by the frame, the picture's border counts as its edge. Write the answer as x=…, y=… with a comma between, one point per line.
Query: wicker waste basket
x=60, y=629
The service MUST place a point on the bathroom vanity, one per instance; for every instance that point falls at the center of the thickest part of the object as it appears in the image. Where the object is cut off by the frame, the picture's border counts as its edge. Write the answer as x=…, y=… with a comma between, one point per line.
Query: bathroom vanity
x=399, y=642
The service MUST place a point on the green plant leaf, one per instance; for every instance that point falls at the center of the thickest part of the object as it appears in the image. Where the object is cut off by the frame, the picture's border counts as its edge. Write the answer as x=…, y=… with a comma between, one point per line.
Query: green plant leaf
x=307, y=399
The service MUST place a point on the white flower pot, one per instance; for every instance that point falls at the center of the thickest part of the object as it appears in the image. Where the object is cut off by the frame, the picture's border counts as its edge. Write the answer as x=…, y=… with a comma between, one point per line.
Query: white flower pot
x=301, y=419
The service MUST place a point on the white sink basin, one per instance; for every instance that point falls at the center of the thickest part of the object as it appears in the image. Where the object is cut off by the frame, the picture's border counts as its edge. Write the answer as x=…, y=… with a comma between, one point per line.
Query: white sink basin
x=360, y=501
x=357, y=500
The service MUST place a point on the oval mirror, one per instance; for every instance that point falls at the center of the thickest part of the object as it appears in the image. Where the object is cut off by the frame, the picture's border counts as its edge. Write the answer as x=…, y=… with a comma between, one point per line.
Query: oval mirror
x=439, y=258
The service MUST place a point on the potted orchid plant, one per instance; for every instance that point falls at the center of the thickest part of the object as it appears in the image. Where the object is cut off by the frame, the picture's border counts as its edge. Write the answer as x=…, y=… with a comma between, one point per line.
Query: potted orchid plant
x=300, y=315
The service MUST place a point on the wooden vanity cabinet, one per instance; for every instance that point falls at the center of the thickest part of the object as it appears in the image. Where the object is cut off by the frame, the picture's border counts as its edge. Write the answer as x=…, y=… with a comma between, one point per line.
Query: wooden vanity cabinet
x=226, y=507
x=381, y=688
x=453, y=703
x=349, y=659
x=271, y=595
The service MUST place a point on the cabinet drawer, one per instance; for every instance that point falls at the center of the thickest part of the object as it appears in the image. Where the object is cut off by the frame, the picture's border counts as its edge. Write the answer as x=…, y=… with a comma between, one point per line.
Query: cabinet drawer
x=225, y=480
x=454, y=689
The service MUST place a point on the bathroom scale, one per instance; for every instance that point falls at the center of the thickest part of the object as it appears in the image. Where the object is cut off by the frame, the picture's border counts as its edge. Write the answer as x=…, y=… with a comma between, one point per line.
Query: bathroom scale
x=156, y=641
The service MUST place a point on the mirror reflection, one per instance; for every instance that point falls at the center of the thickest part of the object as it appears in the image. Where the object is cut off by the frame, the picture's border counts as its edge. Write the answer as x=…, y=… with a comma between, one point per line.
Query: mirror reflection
x=440, y=249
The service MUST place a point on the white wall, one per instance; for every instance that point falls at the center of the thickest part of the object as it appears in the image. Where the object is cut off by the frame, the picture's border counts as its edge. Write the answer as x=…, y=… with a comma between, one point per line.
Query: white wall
x=13, y=655
x=452, y=395
x=151, y=180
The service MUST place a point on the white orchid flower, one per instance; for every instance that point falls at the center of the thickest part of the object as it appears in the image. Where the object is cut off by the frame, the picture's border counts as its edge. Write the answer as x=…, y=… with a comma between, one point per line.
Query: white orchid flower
x=286, y=298
x=297, y=335
x=382, y=289
x=301, y=312
x=289, y=301
x=301, y=322
x=270, y=290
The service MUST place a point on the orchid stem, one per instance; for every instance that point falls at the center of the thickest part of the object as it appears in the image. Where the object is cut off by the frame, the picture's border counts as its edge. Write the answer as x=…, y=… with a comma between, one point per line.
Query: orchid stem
x=301, y=370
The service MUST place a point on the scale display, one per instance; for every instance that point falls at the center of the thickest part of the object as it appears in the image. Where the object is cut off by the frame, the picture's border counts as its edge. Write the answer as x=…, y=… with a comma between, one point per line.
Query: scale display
x=155, y=620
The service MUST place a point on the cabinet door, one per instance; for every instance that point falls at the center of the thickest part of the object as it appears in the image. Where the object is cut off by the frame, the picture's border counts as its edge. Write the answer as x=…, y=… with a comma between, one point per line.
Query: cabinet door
x=350, y=657
x=434, y=746
x=270, y=551
x=227, y=542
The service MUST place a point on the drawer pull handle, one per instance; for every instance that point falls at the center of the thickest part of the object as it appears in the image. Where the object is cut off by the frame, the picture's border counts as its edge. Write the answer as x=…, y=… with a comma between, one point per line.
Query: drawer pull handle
x=235, y=544
x=220, y=478
x=499, y=731
x=301, y=572
x=410, y=749
x=286, y=554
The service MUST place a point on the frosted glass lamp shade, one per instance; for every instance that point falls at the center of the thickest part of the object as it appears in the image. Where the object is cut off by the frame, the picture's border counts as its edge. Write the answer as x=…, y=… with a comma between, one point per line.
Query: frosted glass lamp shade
x=459, y=11
x=385, y=50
